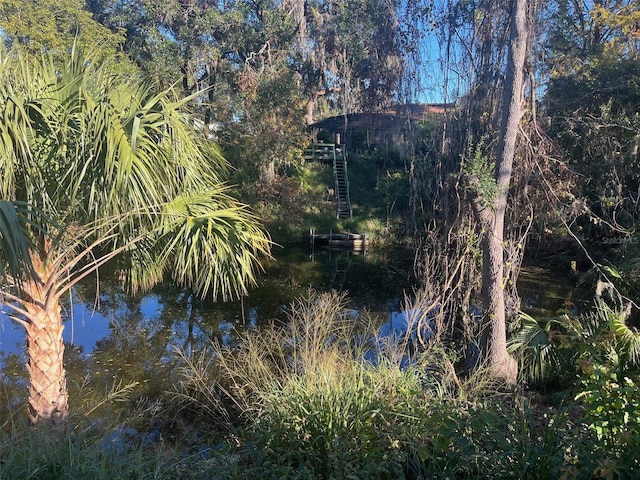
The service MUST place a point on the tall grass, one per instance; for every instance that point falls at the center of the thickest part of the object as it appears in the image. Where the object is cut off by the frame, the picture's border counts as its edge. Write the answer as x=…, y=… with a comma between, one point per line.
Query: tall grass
x=311, y=402
x=299, y=400
x=110, y=436
x=308, y=405
x=34, y=454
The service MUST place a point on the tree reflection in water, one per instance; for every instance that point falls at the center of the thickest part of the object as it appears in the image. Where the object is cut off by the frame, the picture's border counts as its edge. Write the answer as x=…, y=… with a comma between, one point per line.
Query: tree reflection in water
x=132, y=340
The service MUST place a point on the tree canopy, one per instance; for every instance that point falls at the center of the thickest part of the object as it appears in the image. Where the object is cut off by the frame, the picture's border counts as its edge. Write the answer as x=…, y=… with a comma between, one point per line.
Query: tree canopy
x=55, y=26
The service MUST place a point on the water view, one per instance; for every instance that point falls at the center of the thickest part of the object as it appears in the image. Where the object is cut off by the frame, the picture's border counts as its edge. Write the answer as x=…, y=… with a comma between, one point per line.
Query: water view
x=121, y=338
x=134, y=338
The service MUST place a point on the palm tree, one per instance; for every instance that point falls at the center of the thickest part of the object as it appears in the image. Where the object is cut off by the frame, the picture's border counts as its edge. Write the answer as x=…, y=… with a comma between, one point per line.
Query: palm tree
x=544, y=348
x=550, y=348
x=94, y=167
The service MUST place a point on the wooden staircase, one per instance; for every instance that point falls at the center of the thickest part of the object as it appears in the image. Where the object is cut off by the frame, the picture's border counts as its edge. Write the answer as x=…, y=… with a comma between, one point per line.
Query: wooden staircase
x=342, y=185
x=334, y=153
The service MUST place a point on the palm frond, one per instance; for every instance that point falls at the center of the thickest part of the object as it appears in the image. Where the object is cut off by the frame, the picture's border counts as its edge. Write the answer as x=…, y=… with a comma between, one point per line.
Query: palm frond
x=626, y=339
x=540, y=355
x=212, y=243
x=112, y=156
x=15, y=242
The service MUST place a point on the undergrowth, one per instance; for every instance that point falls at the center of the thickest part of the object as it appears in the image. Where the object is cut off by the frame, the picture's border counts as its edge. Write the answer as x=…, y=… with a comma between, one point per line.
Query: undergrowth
x=304, y=399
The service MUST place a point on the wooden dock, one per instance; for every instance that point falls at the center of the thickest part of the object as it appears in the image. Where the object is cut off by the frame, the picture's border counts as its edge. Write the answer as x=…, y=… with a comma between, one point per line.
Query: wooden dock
x=353, y=241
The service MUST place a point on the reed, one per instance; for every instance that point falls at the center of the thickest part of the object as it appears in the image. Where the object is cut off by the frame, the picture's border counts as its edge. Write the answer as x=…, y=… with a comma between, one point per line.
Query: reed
x=299, y=400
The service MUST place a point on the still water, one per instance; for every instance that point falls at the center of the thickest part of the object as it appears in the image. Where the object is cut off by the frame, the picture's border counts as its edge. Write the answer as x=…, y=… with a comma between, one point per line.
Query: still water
x=118, y=339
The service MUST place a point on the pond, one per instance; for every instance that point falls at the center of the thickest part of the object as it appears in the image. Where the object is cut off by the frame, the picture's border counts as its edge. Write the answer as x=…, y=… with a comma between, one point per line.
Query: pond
x=121, y=339
x=546, y=291
x=376, y=281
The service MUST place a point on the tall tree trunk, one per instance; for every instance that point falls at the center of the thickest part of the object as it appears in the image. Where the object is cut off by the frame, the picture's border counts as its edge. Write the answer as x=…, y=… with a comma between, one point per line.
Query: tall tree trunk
x=493, y=293
x=311, y=105
x=493, y=280
x=268, y=172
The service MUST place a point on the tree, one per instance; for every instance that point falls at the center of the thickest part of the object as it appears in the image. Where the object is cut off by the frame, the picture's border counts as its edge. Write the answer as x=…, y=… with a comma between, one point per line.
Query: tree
x=472, y=198
x=263, y=61
x=96, y=167
x=592, y=104
x=353, y=55
x=238, y=54
x=55, y=26
x=579, y=31
x=491, y=211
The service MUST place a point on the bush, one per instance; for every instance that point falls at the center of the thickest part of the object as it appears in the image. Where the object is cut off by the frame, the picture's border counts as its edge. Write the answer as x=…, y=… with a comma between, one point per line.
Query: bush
x=311, y=407
x=612, y=405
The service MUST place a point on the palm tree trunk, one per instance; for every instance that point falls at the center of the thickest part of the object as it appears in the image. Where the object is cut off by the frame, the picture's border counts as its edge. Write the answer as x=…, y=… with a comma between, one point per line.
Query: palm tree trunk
x=48, y=396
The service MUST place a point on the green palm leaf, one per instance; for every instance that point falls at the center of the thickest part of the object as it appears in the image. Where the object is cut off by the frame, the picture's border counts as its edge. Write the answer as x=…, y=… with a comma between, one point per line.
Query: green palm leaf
x=100, y=146
x=208, y=234
x=625, y=340
x=535, y=341
x=15, y=243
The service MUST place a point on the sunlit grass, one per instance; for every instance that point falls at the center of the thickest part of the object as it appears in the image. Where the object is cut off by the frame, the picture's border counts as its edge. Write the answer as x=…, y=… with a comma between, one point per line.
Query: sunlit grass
x=304, y=399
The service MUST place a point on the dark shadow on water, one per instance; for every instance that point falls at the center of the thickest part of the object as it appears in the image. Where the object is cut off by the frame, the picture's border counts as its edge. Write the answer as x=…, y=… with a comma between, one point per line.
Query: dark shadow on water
x=546, y=292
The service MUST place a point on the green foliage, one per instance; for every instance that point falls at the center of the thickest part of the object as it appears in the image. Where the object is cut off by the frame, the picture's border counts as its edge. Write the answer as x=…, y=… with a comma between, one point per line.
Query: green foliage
x=541, y=349
x=356, y=54
x=296, y=400
x=266, y=139
x=602, y=351
x=311, y=408
x=619, y=280
x=88, y=454
x=380, y=197
x=15, y=241
x=620, y=21
x=56, y=26
x=604, y=337
x=611, y=405
x=479, y=174
x=310, y=402
x=124, y=173
x=304, y=199
x=262, y=67
x=334, y=423
x=492, y=438
x=549, y=348
x=592, y=105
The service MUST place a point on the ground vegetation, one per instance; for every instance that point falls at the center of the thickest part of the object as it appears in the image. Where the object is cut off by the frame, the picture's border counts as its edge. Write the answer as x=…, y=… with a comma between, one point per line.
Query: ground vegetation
x=537, y=151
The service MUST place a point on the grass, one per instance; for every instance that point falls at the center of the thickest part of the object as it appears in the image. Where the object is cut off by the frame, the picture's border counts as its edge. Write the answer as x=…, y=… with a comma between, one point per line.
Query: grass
x=298, y=400
x=33, y=454
x=294, y=204
x=307, y=406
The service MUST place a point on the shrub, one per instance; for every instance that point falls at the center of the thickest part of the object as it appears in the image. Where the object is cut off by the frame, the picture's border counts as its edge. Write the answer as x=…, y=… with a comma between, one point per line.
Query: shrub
x=612, y=405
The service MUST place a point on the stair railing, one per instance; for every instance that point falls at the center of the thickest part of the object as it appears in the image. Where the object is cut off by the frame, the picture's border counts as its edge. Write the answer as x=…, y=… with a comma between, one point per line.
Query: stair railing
x=327, y=152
